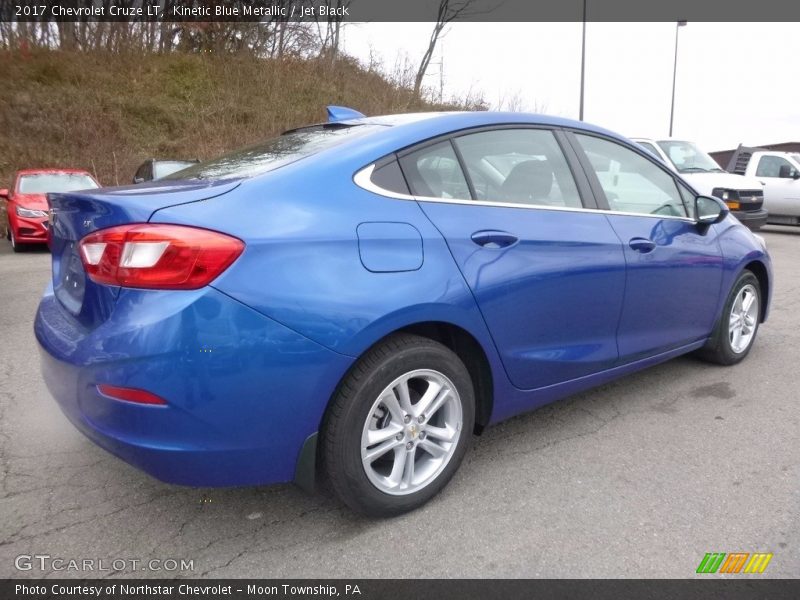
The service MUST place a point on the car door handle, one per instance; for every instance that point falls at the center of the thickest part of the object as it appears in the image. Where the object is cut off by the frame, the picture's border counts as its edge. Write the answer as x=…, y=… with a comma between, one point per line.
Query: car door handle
x=642, y=245
x=494, y=239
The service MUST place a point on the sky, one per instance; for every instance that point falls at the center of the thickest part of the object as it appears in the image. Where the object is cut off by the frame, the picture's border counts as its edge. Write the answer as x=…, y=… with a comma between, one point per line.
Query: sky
x=736, y=82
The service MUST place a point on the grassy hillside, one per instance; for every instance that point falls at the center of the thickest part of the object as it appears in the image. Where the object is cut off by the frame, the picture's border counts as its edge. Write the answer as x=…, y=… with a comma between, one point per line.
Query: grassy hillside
x=109, y=112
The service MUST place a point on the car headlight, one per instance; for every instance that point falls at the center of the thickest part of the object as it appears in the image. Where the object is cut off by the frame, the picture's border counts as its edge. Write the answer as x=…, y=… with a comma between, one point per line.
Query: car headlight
x=729, y=197
x=721, y=193
x=30, y=213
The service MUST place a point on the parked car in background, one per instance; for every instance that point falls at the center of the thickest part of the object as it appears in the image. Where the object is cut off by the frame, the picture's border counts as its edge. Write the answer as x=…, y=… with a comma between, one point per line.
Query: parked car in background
x=399, y=283
x=743, y=195
x=153, y=169
x=779, y=172
x=26, y=201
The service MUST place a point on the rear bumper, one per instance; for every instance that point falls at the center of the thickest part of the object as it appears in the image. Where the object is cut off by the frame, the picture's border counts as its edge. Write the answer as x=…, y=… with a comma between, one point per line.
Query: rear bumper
x=243, y=392
x=752, y=219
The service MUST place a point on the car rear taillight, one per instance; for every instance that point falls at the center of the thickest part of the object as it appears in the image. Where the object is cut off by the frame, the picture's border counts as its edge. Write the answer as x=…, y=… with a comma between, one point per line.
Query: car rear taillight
x=130, y=395
x=157, y=256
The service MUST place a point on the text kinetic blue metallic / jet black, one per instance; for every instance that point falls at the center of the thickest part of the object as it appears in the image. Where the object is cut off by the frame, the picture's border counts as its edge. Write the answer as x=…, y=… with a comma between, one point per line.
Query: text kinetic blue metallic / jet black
x=361, y=241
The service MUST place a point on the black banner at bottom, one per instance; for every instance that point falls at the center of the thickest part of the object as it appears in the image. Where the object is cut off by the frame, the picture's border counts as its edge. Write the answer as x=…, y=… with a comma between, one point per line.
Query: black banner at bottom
x=416, y=589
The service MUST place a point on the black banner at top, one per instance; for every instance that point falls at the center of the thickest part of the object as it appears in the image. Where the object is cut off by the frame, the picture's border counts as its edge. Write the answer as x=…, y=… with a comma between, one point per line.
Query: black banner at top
x=398, y=10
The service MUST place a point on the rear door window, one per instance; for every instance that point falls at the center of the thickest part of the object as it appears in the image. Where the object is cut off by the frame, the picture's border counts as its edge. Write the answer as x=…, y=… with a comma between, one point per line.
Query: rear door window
x=389, y=177
x=434, y=172
x=519, y=166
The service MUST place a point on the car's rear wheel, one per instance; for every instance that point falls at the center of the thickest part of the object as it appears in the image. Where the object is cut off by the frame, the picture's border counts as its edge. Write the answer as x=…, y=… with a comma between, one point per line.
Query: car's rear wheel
x=399, y=426
x=736, y=331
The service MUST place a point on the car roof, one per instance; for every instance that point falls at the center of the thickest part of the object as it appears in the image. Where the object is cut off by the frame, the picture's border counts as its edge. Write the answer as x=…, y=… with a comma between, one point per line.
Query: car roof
x=456, y=120
x=398, y=119
x=467, y=119
x=396, y=132
x=52, y=170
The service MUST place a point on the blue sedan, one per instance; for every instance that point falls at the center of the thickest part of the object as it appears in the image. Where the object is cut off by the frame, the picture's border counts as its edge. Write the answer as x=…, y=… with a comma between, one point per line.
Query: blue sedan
x=353, y=300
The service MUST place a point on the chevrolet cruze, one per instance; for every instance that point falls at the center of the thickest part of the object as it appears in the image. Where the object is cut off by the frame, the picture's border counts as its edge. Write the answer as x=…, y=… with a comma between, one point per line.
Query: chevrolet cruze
x=353, y=300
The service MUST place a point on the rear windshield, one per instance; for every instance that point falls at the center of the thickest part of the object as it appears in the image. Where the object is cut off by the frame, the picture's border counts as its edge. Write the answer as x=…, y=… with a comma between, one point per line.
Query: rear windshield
x=42, y=183
x=275, y=153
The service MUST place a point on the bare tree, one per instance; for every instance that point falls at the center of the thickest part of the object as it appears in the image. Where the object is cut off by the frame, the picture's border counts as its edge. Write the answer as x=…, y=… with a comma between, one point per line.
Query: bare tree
x=515, y=101
x=330, y=29
x=448, y=11
x=269, y=38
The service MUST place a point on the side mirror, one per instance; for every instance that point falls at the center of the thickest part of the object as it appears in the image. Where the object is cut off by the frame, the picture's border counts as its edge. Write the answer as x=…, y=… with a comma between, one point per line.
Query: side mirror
x=709, y=210
x=138, y=179
x=4, y=193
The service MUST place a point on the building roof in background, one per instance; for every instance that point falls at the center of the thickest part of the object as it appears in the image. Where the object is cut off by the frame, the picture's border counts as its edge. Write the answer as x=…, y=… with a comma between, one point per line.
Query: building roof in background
x=723, y=157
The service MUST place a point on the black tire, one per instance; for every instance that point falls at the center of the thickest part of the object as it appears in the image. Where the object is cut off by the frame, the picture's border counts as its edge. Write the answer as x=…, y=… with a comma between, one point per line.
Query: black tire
x=719, y=349
x=352, y=407
x=15, y=245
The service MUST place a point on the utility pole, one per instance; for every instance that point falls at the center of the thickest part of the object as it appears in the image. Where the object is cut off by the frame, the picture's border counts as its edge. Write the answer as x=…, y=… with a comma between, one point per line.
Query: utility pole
x=583, y=60
x=678, y=26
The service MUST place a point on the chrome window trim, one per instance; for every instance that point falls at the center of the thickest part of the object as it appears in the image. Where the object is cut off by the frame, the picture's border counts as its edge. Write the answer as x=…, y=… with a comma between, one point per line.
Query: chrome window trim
x=363, y=179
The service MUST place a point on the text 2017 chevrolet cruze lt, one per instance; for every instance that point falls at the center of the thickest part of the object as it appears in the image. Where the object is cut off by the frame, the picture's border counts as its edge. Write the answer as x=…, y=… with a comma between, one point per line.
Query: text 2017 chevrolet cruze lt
x=354, y=299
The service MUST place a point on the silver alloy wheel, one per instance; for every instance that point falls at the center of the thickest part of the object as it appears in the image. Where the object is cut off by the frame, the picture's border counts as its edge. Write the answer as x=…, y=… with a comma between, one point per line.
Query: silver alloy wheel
x=411, y=432
x=12, y=239
x=743, y=319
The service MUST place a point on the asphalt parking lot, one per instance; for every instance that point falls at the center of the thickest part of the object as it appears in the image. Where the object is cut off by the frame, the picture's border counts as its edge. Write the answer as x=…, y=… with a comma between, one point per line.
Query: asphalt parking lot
x=639, y=478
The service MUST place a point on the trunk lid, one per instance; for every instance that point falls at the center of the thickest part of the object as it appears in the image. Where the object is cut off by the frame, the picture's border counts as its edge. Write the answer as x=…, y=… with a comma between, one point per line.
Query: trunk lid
x=73, y=215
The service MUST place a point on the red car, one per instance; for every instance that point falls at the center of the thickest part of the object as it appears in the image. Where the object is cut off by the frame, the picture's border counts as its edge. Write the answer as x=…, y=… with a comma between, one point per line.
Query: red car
x=27, y=201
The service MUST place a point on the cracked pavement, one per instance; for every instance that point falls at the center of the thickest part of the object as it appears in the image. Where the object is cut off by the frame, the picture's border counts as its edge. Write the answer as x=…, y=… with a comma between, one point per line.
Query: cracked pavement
x=639, y=478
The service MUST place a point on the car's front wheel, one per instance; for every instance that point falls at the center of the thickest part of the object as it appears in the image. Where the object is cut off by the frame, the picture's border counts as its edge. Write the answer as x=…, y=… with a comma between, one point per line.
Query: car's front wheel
x=15, y=245
x=399, y=426
x=736, y=331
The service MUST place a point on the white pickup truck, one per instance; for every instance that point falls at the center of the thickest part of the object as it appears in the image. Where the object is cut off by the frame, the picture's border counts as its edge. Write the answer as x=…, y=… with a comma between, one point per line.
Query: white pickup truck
x=743, y=195
x=779, y=172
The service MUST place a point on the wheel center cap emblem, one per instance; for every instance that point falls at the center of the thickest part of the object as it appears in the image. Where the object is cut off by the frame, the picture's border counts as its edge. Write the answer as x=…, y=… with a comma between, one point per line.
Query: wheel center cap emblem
x=412, y=431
